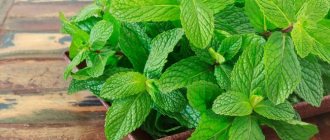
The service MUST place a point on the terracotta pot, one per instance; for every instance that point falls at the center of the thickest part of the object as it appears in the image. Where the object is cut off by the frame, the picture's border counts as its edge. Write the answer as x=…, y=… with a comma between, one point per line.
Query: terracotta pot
x=305, y=110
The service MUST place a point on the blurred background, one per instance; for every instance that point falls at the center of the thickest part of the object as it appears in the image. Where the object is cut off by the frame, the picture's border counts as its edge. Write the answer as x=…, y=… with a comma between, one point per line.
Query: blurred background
x=33, y=99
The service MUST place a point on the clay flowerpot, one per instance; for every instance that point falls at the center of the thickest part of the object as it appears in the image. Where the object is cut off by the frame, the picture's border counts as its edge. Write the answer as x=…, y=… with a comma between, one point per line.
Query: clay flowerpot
x=306, y=111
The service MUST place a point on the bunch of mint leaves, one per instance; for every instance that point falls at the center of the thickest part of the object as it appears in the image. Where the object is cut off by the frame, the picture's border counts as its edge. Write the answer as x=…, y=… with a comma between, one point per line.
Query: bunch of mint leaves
x=225, y=68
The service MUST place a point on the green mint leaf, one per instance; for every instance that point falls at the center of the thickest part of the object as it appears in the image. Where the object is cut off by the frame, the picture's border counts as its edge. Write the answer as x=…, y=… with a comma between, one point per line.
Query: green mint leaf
x=161, y=46
x=248, y=72
x=211, y=126
x=81, y=56
x=279, y=12
x=233, y=20
x=122, y=85
x=325, y=22
x=202, y=94
x=222, y=74
x=256, y=98
x=198, y=22
x=230, y=47
x=79, y=36
x=93, y=84
x=325, y=68
x=140, y=32
x=188, y=117
x=257, y=17
x=311, y=86
x=133, y=47
x=218, y=58
x=298, y=4
x=184, y=73
x=87, y=24
x=292, y=130
x=320, y=34
x=203, y=54
x=313, y=10
x=173, y=101
x=145, y=10
x=103, y=3
x=100, y=33
x=82, y=74
x=245, y=128
x=217, y=5
x=91, y=10
x=75, y=46
x=233, y=104
x=282, y=68
x=96, y=63
x=326, y=81
x=126, y=115
x=113, y=40
x=72, y=29
x=283, y=111
x=304, y=44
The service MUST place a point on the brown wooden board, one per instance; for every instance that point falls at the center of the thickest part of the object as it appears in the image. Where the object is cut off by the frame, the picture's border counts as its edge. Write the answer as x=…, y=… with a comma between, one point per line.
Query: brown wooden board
x=5, y=5
x=39, y=16
x=26, y=45
x=34, y=103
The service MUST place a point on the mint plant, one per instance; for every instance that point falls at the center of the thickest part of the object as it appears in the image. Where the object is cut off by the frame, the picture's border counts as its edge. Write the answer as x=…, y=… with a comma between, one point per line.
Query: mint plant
x=225, y=68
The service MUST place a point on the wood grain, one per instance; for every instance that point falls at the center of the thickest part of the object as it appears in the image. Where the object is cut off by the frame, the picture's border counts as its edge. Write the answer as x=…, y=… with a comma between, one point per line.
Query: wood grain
x=5, y=5
x=23, y=44
x=68, y=131
x=34, y=103
x=32, y=75
x=45, y=9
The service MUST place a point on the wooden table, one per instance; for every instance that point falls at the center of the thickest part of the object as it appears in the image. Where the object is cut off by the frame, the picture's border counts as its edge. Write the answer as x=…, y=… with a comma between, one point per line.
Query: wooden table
x=33, y=95
x=33, y=100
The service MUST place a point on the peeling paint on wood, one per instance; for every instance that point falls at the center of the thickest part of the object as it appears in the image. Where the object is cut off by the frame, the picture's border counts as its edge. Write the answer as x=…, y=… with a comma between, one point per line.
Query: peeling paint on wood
x=29, y=105
x=27, y=43
x=34, y=103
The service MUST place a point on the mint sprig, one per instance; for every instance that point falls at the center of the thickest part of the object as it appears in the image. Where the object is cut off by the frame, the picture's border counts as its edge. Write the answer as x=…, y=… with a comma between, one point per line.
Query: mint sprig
x=222, y=67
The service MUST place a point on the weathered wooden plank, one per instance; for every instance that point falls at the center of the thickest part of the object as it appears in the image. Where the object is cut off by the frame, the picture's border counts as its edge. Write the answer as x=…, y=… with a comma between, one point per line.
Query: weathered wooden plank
x=51, y=115
x=44, y=9
x=32, y=25
x=45, y=107
x=36, y=75
x=84, y=130
x=39, y=16
x=20, y=44
x=36, y=1
x=4, y=7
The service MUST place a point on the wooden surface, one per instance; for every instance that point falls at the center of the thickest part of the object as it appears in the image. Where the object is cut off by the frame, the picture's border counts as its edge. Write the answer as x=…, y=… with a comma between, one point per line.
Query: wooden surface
x=33, y=95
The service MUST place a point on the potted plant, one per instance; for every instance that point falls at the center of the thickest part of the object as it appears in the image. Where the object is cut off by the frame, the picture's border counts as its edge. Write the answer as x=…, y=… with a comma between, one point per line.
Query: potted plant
x=223, y=68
